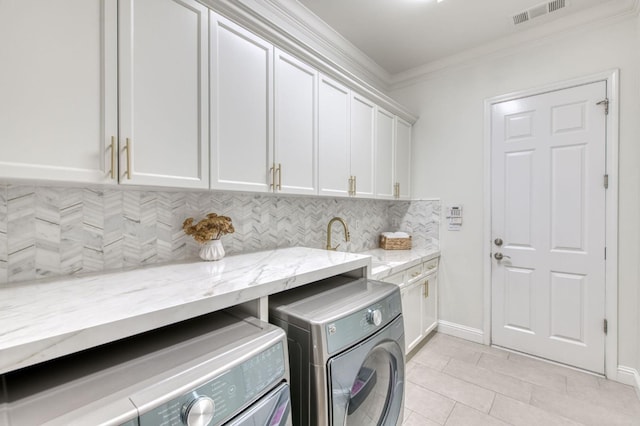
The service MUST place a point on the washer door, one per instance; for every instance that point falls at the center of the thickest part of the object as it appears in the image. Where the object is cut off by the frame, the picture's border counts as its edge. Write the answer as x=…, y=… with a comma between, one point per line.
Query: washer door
x=367, y=381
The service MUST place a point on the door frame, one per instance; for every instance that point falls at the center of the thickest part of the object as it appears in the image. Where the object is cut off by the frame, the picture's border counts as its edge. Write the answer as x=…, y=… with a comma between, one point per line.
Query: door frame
x=611, y=199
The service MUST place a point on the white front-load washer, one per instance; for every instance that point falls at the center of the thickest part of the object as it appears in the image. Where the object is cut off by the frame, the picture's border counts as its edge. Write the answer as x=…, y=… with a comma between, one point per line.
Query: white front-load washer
x=346, y=351
x=218, y=369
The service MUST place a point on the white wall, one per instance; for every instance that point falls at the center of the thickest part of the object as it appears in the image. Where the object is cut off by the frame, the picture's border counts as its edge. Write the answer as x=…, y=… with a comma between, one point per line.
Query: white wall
x=448, y=155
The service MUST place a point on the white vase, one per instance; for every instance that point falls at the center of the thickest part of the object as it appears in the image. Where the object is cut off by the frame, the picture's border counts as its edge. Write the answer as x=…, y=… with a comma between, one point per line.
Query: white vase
x=212, y=250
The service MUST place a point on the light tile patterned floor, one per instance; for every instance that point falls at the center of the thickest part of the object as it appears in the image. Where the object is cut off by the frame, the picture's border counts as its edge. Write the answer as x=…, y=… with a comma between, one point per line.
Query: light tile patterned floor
x=452, y=381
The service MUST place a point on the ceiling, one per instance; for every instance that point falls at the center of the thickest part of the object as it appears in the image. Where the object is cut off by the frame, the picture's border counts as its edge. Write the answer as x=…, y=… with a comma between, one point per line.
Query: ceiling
x=403, y=34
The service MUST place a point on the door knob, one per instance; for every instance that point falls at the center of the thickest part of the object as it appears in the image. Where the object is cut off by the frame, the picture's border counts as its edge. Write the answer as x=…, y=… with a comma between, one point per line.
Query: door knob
x=500, y=256
x=498, y=241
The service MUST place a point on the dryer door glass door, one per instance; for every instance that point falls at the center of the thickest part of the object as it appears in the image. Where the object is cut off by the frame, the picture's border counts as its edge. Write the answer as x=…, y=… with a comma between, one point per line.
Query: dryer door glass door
x=367, y=381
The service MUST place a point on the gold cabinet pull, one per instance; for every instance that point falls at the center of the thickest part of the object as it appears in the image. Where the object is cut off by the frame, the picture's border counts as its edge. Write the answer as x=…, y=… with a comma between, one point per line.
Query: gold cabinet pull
x=279, y=187
x=128, y=148
x=114, y=158
x=350, y=185
x=355, y=186
x=272, y=172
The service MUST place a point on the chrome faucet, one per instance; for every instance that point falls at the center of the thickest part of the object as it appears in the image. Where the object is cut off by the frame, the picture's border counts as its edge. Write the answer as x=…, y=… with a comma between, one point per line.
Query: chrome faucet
x=346, y=232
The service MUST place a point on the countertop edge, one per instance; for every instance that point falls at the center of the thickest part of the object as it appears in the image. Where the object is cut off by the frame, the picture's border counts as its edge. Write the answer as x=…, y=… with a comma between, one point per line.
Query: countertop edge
x=54, y=346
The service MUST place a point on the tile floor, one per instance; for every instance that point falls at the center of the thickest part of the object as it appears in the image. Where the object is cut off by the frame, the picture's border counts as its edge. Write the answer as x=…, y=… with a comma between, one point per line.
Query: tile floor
x=452, y=381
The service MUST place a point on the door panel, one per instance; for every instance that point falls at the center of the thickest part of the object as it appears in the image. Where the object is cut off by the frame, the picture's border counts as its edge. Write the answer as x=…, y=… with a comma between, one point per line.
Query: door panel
x=296, y=150
x=164, y=86
x=362, y=144
x=58, y=89
x=384, y=170
x=333, y=138
x=242, y=93
x=548, y=204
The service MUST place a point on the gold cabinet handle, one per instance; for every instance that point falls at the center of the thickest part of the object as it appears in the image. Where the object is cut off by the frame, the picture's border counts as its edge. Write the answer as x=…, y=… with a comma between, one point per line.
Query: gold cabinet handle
x=114, y=157
x=272, y=172
x=355, y=186
x=352, y=186
x=415, y=274
x=426, y=288
x=128, y=148
x=279, y=187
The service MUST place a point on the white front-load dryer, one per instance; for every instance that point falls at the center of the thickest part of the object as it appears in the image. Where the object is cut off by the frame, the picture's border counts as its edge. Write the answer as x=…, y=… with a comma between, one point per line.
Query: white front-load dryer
x=346, y=351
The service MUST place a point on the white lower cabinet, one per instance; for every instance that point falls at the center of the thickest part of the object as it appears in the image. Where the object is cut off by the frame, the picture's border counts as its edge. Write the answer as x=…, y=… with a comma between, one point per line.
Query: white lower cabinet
x=418, y=289
x=412, y=313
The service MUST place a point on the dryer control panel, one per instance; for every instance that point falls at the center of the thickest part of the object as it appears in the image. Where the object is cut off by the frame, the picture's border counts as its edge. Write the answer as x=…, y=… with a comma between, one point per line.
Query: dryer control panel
x=223, y=396
x=350, y=329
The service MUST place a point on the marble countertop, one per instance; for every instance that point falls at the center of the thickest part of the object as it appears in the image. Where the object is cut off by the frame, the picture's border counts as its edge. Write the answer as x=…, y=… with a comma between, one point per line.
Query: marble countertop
x=47, y=319
x=388, y=262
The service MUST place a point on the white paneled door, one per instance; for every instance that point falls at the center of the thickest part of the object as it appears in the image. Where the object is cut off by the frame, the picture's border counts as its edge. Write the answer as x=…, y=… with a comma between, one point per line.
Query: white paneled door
x=548, y=224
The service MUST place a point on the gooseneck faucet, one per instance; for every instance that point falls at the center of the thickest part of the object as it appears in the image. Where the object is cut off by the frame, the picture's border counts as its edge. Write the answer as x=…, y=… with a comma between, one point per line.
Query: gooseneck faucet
x=346, y=232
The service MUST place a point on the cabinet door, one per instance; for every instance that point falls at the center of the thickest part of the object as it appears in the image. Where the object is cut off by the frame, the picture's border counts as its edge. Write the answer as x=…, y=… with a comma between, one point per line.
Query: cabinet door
x=241, y=102
x=403, y=158
x=164, y=93
x=384, y=155
x=429, y=303
x=333, y=138
x=412, y=313
x=58, y=89
x=363, y=113
x=296, y=148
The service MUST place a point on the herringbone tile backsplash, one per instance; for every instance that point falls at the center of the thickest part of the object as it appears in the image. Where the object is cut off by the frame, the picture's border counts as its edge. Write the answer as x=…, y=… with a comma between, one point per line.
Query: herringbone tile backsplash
x=48, y=231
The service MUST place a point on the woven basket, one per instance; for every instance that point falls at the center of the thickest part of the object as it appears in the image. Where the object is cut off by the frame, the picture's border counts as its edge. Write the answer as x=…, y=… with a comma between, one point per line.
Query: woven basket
x=395, y=243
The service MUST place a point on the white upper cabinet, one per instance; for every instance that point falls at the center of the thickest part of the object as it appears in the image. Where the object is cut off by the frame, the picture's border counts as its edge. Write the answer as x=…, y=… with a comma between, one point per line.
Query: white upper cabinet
x=58, y=101
x=241, y=108
x=296, y=148
x=333, y=138
x=363, y=114
x=164, y=93
x=403, y=159
x=384, y=154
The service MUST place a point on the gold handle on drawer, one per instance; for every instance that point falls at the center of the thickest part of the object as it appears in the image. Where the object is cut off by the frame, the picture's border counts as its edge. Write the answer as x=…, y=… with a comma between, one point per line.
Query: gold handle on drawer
x=431, y=267
x=415, y=274
x=114, y=158
x=279, y=187
x=128, y=148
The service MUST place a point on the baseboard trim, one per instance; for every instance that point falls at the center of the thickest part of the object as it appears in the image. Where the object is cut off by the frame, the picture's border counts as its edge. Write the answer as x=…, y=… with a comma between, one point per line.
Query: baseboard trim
x=629, y=376
x=462, y=331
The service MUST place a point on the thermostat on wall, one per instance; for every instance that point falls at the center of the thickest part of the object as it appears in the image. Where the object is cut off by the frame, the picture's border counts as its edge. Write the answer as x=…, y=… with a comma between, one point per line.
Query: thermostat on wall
x=454, y=218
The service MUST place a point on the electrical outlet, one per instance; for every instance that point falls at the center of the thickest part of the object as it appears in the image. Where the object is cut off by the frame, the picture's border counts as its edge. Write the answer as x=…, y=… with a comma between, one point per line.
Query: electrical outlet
x=357, y=224
x=394, y=222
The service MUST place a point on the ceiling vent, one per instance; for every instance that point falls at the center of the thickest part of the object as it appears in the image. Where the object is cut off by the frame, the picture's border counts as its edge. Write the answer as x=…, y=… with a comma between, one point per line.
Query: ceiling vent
x=538, y=10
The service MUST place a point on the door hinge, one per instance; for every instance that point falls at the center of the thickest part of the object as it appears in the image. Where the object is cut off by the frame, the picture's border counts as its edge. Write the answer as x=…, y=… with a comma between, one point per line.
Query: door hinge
x=604, y=102
x=606, y=181
x=605, y=326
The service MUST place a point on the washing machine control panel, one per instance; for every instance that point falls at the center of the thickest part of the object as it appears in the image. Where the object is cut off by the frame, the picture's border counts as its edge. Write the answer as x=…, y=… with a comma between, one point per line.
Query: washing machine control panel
x=215, y=401
x=350, y=329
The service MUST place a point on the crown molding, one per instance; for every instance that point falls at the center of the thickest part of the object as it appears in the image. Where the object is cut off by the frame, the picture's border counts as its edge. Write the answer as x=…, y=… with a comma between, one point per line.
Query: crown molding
x=601, y=15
